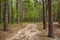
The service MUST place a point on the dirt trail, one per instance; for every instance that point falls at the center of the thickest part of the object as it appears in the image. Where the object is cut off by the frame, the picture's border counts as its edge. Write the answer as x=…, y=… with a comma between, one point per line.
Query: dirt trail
x=28, y=33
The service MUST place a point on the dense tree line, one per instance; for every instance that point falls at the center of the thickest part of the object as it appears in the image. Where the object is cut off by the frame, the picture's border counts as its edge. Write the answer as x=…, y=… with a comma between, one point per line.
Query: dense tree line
x=19, y=11
x=29, y=7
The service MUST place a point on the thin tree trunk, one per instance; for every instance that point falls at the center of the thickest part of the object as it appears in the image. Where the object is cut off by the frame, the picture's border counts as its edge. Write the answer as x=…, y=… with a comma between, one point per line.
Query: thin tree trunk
x=5, y=15
x=50, y=25
x=44, y=14
x=17, y=11
x=12, y=13
x=8, y=14
x=21, y=11
x=46, y=10
x=0, y=12
x=59, y=12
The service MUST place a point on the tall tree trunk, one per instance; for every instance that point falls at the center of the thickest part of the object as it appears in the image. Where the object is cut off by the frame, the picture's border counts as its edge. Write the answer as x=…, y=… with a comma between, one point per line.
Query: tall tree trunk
x=44, y=14
x=50, y=26
x=8, y=14
x=59, y=12
x=46, y=10
x=17, y=11
x=12, y=13
x=5, y=15
x=21, y=11
x=0, y=12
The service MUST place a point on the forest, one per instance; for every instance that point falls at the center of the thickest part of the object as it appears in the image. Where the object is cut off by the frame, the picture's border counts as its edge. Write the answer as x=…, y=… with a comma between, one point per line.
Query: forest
x=29, y=19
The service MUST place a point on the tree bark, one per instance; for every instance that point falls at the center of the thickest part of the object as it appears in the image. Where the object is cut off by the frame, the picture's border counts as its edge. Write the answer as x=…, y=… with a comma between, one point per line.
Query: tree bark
x=50, y=24
x=8, y=14
x=17, y=12
x=44, y=14
x=5, y=15
x=59, y=12
x=0, y=12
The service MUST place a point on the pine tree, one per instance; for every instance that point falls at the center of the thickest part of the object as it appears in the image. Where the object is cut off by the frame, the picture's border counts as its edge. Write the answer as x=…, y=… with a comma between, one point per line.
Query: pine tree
x=59, y=12
x=0, y=12
x=12, y=12
x=50, y=25
x=44, y=14
x=17, y=12
x=5, y=15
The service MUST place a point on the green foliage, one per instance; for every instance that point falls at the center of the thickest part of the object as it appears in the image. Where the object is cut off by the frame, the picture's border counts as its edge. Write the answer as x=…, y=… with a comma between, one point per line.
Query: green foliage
x=55, y=8
x=30, y=11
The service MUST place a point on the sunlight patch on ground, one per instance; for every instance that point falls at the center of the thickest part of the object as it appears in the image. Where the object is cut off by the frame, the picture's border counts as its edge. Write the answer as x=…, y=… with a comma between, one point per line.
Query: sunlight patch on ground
x=30, y=33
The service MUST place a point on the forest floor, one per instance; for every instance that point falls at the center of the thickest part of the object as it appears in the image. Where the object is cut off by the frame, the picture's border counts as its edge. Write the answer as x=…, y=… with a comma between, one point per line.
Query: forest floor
x=29, y=31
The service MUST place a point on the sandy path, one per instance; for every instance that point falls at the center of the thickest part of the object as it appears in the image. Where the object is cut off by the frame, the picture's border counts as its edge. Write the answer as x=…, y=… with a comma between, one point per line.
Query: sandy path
x=30, y=32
